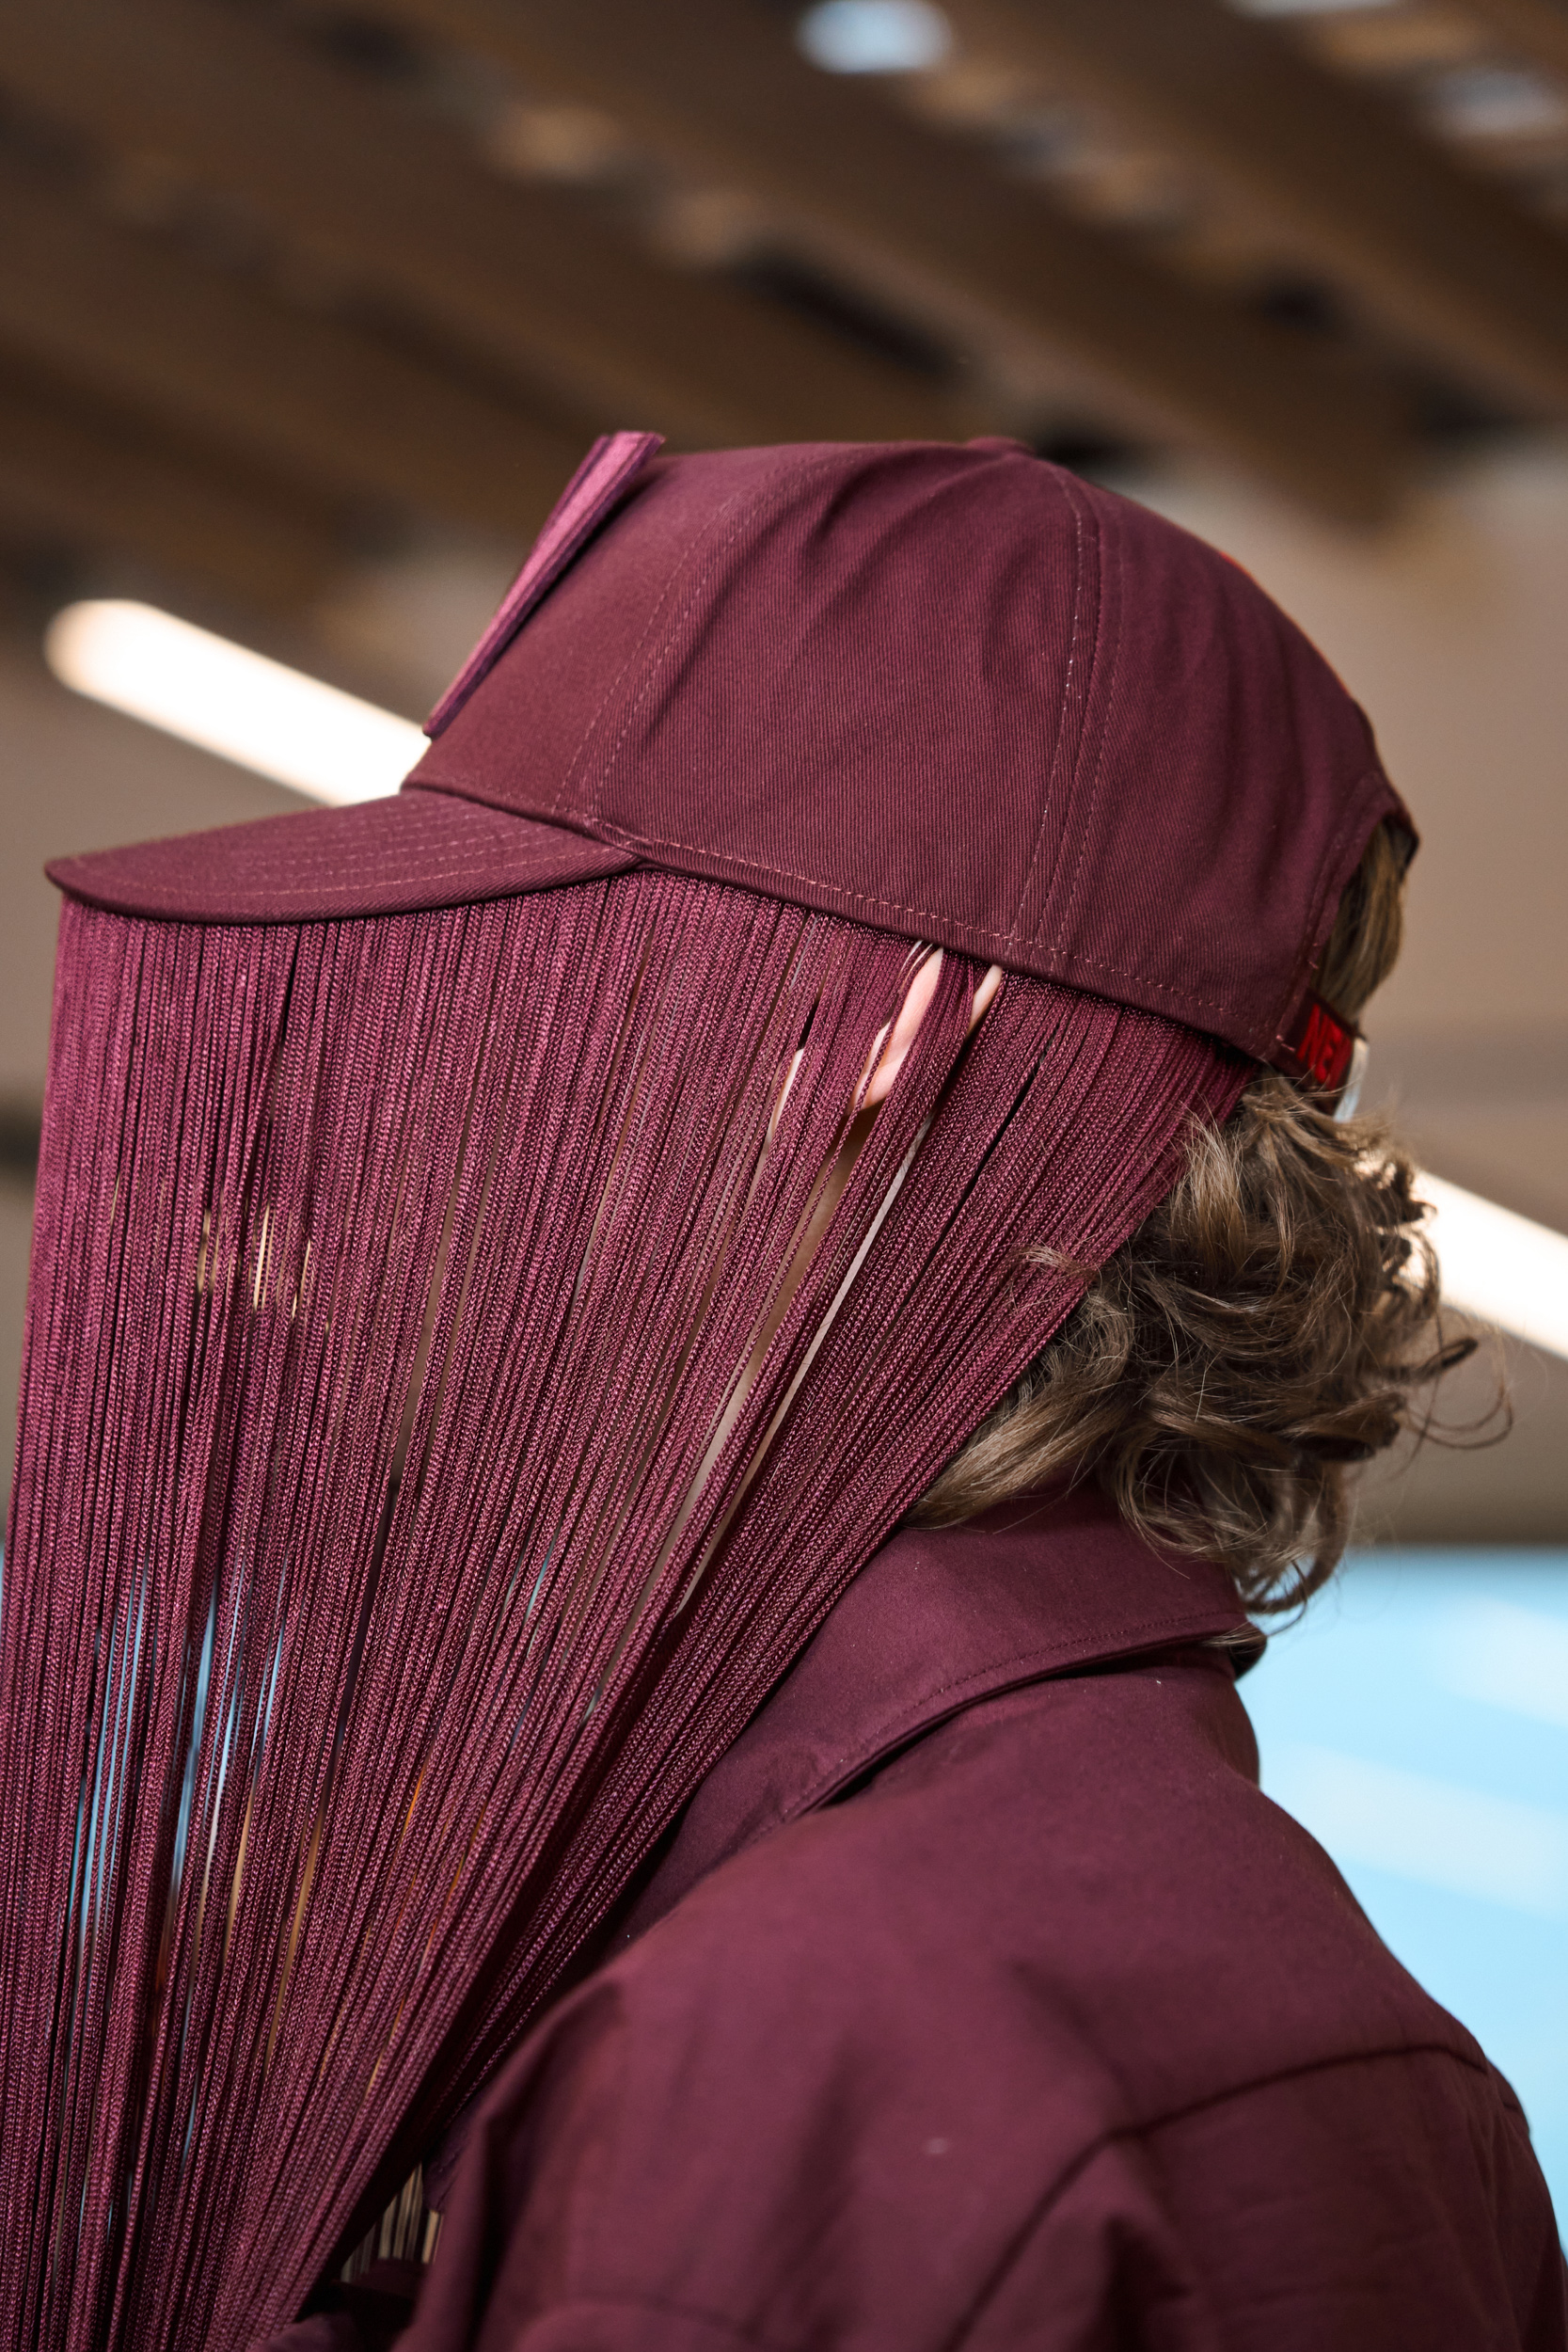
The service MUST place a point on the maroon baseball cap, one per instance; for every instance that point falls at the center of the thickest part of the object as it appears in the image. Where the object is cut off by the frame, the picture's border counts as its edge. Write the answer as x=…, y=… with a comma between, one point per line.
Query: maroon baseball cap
x=952, y=691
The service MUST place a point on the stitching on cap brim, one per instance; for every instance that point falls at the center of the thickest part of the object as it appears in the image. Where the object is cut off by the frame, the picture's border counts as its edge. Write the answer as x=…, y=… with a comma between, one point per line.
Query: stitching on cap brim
x=397, y=856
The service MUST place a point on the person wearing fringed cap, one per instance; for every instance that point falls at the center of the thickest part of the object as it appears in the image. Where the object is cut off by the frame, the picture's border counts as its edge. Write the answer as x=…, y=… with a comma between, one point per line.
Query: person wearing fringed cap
x=664, y=1379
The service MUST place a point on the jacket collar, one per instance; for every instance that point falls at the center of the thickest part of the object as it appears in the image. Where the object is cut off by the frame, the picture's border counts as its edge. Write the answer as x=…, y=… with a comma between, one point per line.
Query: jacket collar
x=938, y=1620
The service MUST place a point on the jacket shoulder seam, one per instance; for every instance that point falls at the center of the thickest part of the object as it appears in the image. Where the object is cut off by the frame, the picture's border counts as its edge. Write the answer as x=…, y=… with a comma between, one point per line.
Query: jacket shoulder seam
x=1121, y=2134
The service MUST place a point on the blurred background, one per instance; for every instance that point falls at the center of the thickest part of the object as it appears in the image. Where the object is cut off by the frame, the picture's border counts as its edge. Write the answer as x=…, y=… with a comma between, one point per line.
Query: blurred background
x=307, y=312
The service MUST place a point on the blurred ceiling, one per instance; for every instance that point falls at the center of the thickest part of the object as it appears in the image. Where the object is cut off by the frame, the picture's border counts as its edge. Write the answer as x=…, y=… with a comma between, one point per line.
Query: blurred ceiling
x=286, y=281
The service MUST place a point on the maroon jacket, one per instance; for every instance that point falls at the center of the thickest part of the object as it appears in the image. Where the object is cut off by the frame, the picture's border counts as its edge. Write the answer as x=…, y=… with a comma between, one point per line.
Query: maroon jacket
x=982, y=1999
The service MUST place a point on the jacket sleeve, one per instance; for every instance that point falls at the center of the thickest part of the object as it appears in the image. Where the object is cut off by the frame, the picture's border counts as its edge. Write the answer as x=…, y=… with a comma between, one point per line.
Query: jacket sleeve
x=626, y=2327
x=506, y=2272
x=1102, y=2269
x=1385, y=2205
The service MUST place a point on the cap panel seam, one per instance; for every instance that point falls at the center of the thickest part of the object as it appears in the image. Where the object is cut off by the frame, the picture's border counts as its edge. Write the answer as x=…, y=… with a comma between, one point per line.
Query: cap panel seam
x=1111, y=546
x=706, y=550
x=575, y=764
x=1079, y=507
x=1307, y=959
x=702, y=551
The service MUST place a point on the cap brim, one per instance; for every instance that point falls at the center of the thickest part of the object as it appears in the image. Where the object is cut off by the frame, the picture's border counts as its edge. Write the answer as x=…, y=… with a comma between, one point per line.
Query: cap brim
x=394, y=856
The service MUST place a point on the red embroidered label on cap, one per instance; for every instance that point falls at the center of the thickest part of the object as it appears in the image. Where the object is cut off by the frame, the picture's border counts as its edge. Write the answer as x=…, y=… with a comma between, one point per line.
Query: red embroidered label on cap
x=1317, y=1048
x=598, y=482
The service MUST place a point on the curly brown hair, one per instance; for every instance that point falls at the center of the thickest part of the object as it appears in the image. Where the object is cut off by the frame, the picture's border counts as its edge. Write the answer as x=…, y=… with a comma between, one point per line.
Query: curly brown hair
x=1270, y=1322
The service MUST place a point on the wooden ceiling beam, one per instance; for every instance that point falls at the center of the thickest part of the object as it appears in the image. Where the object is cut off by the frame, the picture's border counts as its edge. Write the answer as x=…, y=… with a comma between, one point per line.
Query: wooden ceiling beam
x=83, y=474
x=718, y=86
x=400, y=204
x=1440, y=253
x=133, y=315
x=1536, y=31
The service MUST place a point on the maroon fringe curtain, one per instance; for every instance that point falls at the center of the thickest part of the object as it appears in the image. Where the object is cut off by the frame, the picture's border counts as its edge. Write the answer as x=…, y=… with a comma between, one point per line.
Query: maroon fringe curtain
x=468, y=1352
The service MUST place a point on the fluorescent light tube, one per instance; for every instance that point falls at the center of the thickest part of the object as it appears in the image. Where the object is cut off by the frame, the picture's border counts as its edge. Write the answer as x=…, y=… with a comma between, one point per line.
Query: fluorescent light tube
x=1500, y=1267
x=247, y=708
x=875, y=36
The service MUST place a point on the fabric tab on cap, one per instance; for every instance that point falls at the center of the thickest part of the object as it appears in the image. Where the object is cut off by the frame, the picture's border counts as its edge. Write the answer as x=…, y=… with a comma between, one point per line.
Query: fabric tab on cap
x=598, y=482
